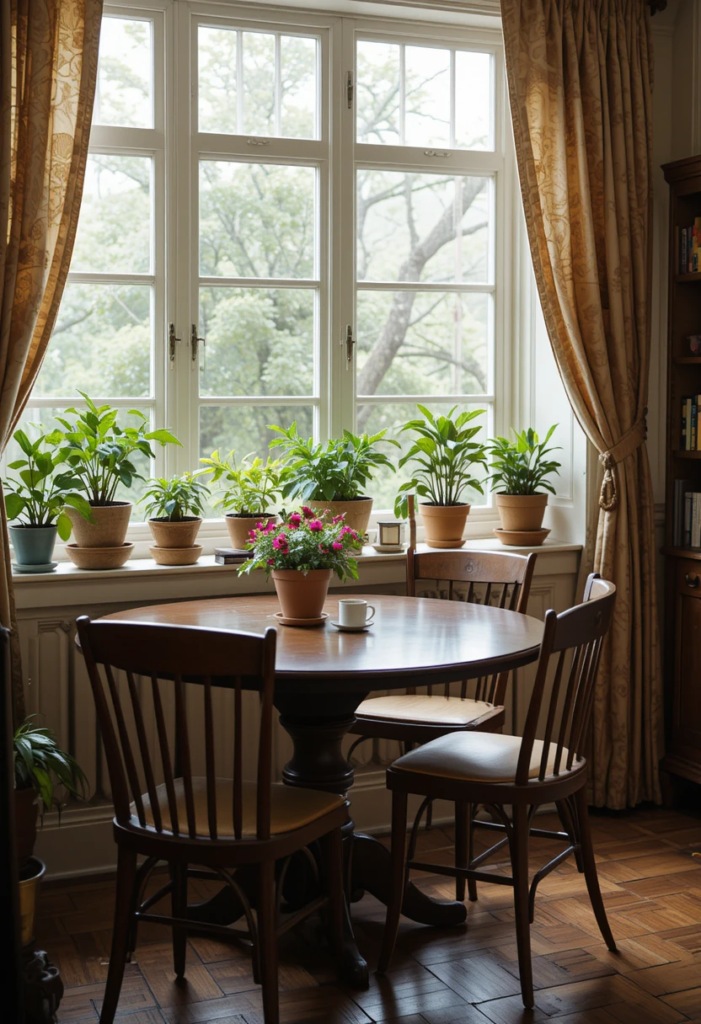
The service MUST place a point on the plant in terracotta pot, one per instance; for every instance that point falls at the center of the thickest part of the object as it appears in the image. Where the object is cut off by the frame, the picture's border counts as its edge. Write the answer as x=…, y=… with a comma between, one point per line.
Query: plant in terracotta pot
x=301, y=554
x=176, y=508
x=251, y=491
x=519, y=471
x=35, y=500
x=444, y=457
x=335, y=475
x=101, y=454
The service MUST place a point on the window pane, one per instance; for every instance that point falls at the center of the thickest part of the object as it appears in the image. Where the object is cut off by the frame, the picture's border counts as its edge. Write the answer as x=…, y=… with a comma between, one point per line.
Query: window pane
x=422, y=227
x=298, y=87
x=392, y=417
x=101, y=343
x=258, y=83
x=114, y=230
x=245, y=428
x=260, y=341
x=217, y=92
x=257, y=220
x=473, y=100
x=423, y=343
x=124, y=94
x=427, y=92
x=378, y=90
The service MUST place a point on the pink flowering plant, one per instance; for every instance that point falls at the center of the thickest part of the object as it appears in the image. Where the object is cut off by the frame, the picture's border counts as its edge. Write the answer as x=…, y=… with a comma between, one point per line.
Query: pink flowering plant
x=305, y=540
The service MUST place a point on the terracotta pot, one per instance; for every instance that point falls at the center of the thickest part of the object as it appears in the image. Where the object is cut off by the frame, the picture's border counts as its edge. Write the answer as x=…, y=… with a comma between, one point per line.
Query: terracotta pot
x=240, y=526
x=175, y=556
x=521, y=511
x=444, y=524
x=357, y=512
x=29, y=877
x=300, y=596
x=175, y=535
x=521, y=538
x=109, y=529
x=26, y=813
x=99, y=558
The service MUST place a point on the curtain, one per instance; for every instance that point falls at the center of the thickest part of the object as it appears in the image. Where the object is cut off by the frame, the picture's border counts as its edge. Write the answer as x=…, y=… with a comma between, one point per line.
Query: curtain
x=48, y=69
x=580, y=87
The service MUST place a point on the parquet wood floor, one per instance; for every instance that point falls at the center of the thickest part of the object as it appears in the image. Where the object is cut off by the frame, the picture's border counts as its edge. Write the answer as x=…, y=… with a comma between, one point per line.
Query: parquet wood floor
x=652, y=888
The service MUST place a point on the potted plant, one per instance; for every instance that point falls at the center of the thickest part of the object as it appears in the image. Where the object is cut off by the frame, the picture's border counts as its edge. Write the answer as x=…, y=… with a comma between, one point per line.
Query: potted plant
x=334, y=475
x=35, y=502
x=446, y=456
x=176, y=510
x=252, y=489
x=40, y=765
x=100, y=453
x=518, y=478
x=301, y=554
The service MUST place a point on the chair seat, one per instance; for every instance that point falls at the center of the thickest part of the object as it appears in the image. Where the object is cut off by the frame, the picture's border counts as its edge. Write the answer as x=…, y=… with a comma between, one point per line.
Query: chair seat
x=477, y=757
x=433, y=710
x=290, y=807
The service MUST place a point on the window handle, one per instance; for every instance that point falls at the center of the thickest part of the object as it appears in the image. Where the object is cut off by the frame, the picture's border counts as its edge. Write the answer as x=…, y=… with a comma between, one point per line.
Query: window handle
x=195, y=341
x=171, y=344
x=349, y=342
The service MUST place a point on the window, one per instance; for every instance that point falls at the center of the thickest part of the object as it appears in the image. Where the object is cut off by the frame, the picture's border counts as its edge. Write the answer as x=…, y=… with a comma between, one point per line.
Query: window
x=307, y=225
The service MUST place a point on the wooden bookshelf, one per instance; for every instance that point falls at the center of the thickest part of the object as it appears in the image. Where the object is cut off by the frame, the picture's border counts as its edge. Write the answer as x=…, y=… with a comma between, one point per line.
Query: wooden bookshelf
x=682, y=563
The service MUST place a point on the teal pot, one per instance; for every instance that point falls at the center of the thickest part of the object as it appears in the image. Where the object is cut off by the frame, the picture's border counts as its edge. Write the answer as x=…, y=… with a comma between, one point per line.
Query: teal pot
x=34, y=545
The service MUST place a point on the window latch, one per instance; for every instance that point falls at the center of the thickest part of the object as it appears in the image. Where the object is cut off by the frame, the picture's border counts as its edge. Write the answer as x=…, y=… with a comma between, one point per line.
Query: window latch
x=349, y=89
x=171, y=344
x=195, y=341
x=349, y=342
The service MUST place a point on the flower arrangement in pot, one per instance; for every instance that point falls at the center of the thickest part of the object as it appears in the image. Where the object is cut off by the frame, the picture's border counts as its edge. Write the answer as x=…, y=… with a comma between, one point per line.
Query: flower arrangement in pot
x=35, y=502
x=176, y=508
x=251, y=491
x=444, y=457
x=301, y=554
x=100, y=452
x=335, y=475
x=519, y=470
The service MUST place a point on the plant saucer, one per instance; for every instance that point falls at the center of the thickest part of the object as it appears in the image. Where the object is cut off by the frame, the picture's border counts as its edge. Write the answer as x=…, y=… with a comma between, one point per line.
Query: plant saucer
x=447, y=543
x=45, y=567
x=284, y=620
x=352, y=629
x=389, y=548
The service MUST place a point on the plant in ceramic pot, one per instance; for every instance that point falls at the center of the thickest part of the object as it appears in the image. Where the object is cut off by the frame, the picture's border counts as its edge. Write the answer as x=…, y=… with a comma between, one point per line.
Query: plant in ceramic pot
x=444, y=458
x=301, y=554
x=35, y=501
x=251, y=491
x=176, y=508
x=335, y=475
x=519, y=471
x=101, y=454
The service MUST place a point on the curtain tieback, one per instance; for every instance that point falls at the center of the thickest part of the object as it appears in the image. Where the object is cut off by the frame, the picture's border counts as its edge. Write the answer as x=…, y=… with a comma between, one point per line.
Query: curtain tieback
x=625, y=446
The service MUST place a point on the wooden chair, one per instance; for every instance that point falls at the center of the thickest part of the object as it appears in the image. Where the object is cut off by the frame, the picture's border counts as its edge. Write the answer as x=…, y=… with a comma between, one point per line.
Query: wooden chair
x=218, y=824
x=523, y=773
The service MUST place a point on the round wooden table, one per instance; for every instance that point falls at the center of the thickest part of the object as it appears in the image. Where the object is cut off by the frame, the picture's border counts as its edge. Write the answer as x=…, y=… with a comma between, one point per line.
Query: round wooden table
x=322, y=675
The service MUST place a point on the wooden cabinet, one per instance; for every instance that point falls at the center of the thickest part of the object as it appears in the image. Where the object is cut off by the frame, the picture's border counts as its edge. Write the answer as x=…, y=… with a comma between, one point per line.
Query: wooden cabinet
x=683, y=563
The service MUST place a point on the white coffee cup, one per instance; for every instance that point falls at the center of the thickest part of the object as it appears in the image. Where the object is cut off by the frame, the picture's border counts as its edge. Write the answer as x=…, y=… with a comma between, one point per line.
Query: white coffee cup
x=353, y=611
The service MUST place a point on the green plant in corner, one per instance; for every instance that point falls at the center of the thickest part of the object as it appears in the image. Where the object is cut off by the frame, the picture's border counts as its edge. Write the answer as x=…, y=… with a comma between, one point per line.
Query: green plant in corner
x=41, y=765
x=250, y=489
x=520, y=467
x=446, y=455
x=175, y=499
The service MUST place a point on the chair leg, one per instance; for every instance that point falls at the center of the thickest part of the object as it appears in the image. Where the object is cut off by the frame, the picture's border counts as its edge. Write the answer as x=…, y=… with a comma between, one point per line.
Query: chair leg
x=124, y=905
x=463, y=814
x=267, y=942
x=471, y=883
x=398, y=877
x=519, y=865
x=590, y=873
x=564, y=810
x=332, y=851
x=178, y=874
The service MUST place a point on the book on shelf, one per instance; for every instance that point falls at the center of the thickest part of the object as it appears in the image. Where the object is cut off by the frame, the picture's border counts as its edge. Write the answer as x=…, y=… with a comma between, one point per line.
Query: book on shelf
x=690, y=248
x=231, y=556
x=690, y=433
x=686, y=523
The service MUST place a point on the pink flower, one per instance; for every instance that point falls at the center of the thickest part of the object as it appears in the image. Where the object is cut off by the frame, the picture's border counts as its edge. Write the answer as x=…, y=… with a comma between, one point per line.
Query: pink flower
x=271, y=527
x=280, y=544
x=260, y=526
x=252, y=534
x=345, y=530
x=316, y=525
x=323, y=550
x=338, y=519
x=295, y=520
x=337, y=546
x=271, y=561
x=308, y=512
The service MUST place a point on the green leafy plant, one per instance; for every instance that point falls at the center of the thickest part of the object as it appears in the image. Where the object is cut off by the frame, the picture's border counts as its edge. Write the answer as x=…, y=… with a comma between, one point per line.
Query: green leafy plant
x=175, y=499
x=446, y=457
x=41, y=765
x=522, y=465
x=337, y=471
x=100, y=451
x=39, y=493
x=304, y=541
x=251, y=489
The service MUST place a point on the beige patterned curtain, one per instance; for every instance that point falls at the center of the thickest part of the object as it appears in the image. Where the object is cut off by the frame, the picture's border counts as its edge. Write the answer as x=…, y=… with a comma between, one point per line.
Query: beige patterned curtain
x=580, y=84
x=48, y=69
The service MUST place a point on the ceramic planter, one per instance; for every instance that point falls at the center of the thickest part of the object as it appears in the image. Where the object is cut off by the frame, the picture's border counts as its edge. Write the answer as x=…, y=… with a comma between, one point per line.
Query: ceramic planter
x=109, y=529
x=444, y=524
x=29, y=877
x=240, y=526
x=26, y=813
x=99, y=558
x=519, y=512
x=300, y=596
x=176, y=556
x=34, y=545
x=357, y=512
x=182, y=534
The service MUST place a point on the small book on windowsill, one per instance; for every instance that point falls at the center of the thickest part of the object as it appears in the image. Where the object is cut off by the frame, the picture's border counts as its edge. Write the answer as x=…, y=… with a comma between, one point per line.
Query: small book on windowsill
x=231, y=556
